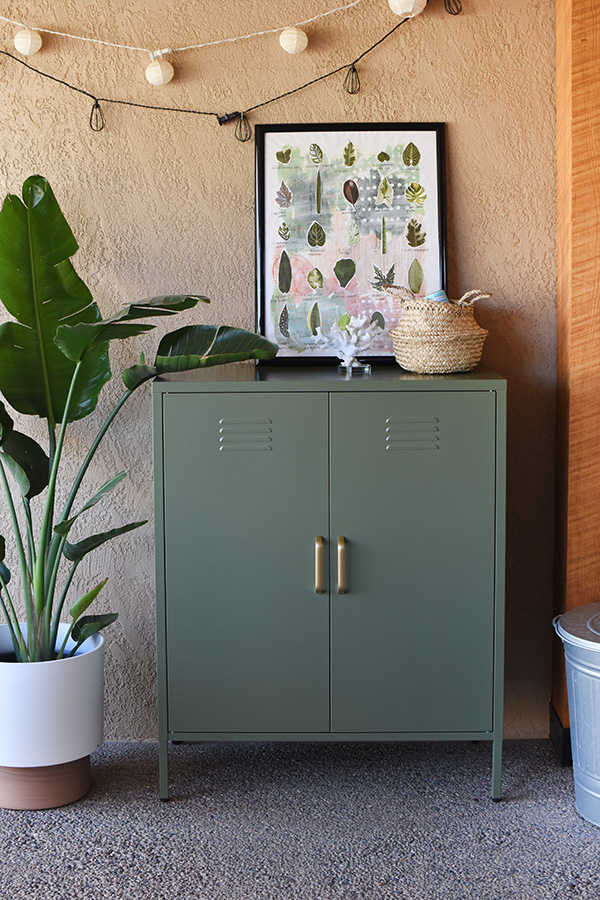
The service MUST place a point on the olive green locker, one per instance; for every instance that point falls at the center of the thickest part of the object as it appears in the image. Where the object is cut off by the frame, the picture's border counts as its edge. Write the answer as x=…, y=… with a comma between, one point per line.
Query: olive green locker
x=330, y=557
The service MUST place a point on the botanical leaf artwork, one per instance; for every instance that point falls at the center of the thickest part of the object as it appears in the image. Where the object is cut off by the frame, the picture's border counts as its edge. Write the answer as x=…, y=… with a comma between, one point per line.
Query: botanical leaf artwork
x=344, y=270
x=347, y=213
x=316, y=154
x=351, y=234
x=411, y=156
x=349, y=154
x=415, y=276
x=385, y=193
x=415, y=193
x=284, y=196
x=284, y=321
x=415, y=234
x=314, y=318
x=315, y=279
x=351, y=191
x=285, y=273
x=316, y=235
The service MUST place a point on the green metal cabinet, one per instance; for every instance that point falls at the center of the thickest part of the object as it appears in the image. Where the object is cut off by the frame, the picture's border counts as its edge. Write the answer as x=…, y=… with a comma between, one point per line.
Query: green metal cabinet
x=329, y=556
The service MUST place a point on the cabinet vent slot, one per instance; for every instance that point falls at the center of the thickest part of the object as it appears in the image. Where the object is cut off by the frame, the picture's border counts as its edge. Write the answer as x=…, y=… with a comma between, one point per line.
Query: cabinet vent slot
x=412, y=434
x=245, y=434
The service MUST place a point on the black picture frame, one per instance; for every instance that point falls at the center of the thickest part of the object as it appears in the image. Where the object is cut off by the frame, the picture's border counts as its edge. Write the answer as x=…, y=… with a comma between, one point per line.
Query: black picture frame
x=337, y=200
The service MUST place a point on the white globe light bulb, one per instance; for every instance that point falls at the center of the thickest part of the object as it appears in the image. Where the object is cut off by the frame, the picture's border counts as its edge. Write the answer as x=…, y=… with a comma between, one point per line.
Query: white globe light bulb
x=407, y=8
x=28, y=41
x=293, y=40
x=159, y=71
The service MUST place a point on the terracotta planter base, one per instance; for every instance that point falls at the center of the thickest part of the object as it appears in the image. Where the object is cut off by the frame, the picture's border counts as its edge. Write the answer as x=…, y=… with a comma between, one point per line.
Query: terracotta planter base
x=44, y=787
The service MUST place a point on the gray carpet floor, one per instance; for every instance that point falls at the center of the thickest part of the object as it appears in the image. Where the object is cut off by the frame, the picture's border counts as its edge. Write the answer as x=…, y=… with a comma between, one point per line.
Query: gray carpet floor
x=309, y=822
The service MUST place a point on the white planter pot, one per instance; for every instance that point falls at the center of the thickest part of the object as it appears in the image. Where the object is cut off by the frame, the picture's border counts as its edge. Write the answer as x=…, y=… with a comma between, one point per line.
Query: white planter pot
x=51, y=712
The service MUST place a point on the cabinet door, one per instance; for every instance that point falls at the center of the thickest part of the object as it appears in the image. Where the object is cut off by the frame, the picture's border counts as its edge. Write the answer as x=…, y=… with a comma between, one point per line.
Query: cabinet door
x=412, y=492
x=246, y=493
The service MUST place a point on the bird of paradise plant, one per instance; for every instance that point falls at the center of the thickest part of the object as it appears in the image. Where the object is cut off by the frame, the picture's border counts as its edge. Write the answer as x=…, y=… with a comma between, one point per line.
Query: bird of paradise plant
x=53, y=363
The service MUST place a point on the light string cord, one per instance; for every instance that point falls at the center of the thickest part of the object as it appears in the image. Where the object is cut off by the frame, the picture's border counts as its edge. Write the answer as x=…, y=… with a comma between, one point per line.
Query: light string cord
x=229, y=116
x=241, y=37
x=97, y=121
x=327, y=74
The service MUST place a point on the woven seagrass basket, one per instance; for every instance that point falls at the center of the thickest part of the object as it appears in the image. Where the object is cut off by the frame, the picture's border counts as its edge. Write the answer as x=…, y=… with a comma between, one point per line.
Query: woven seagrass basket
x=437, y=337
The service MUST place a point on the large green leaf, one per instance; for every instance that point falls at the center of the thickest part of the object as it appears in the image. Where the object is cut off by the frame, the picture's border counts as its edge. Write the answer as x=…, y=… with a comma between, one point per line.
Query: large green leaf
x=4, y=572
x=76, y=552
x=88, y=598
x=86, y=626
x=24, y=458
x=197, y=346
x=40, y=288
x=76, y=341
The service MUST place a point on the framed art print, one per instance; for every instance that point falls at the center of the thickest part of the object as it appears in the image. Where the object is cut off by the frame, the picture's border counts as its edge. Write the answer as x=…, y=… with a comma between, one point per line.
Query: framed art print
x=342, y=211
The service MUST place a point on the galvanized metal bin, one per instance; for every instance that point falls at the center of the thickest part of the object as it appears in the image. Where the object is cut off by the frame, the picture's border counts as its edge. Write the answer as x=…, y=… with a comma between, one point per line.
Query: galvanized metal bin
x=579, y=630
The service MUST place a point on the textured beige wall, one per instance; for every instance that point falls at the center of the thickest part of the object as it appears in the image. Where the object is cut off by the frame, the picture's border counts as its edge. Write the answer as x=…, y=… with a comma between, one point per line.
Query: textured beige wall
x=164, y=202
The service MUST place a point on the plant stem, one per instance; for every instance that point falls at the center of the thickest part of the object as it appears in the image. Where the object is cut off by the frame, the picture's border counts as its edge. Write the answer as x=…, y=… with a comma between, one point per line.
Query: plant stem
x=25, y=574
x=18, y=641
x=85, y=464
x=42, y=600
x=61, y=603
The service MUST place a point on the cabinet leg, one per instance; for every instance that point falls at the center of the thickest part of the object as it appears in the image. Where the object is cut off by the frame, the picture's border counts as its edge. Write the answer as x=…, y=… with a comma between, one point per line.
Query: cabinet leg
x=163, y=769
x=497, y=769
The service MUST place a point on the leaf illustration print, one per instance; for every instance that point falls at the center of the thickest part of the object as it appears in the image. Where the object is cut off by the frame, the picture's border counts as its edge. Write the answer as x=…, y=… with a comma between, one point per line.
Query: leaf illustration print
x=316, y=154
x=415, y=193
x=284, y=156
x=385, y=193
x=315, y=279
x=319, y=192
x=415, y=234
x=344, y=270
x=284, y=322
x=349, y=154
x=350, y=190
x=351, y=234
x=415, y=276
x=315, y=235
x=411, y=155
x=284, y=232
x=284, y=196
x=285, y=273
x=313, y=319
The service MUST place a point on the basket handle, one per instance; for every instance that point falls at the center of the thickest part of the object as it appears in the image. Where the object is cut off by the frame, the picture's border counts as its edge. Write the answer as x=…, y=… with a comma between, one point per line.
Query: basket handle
x=470, y=297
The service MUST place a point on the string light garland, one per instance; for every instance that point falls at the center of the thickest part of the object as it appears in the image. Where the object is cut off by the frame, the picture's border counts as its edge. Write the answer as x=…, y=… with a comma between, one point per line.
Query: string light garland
x=243, y=129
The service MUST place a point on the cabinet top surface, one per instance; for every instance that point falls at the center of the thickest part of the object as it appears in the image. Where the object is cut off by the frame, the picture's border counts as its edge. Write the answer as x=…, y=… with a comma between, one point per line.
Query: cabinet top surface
x=248, y=376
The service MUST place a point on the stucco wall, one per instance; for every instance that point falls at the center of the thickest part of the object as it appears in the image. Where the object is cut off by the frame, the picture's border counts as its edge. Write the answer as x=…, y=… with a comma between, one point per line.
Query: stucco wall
x=164, y=202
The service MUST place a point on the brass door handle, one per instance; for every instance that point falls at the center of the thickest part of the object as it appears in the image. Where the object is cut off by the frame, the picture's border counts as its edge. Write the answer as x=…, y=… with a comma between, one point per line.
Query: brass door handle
x=319, y=565
x=341, y=553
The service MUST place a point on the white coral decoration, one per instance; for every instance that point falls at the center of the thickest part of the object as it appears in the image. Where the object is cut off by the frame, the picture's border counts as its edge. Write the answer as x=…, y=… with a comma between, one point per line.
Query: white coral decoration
x=348, y=342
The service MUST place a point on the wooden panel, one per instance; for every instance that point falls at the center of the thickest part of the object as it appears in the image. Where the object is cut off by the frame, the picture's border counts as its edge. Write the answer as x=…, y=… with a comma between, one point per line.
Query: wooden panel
x=578, y=315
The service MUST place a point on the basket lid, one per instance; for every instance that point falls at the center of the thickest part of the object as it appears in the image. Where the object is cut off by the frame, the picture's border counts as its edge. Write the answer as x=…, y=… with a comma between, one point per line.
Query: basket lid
x=580, y=626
